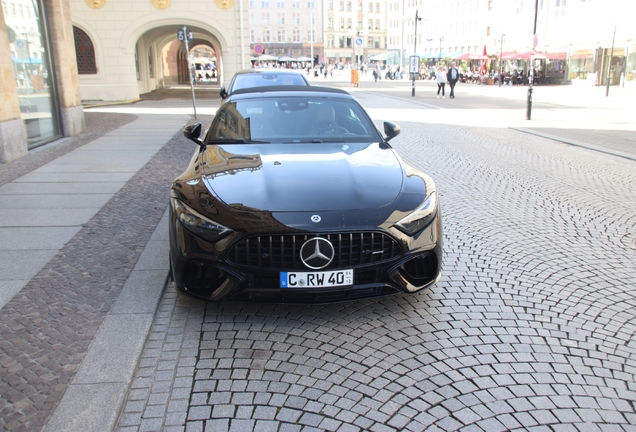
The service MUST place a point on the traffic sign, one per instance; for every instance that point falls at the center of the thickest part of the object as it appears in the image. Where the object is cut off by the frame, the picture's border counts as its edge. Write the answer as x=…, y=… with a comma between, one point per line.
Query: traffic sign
x=535, y=40
x=259, y=49
x=414, y=64
x=359, y=42
x=185, y=32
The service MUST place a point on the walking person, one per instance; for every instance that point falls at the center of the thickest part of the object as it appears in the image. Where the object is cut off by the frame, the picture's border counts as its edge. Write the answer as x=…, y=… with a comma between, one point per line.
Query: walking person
x=441, y=78
x=453, y=76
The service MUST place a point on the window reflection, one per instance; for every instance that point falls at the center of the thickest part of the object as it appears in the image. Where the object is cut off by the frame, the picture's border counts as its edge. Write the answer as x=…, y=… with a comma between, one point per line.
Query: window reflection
x=32, y=72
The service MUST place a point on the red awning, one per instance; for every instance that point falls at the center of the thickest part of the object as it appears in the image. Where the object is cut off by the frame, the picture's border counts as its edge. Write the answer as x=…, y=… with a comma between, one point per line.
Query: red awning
x=527, y=55
x=468, y=56
x=556, y=56
x=581, y=56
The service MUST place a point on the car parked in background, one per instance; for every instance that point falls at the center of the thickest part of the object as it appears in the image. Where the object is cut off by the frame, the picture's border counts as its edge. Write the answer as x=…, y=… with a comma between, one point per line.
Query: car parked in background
x=264, y=78
x=294, y=195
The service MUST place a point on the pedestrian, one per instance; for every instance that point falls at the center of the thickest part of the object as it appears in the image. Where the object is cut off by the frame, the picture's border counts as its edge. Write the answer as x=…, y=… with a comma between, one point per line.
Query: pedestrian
x=441, y=78
x=452, y=76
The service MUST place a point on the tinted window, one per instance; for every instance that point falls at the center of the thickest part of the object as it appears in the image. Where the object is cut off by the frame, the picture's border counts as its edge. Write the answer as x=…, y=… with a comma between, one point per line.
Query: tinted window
x=266, y=79
x=292, y=119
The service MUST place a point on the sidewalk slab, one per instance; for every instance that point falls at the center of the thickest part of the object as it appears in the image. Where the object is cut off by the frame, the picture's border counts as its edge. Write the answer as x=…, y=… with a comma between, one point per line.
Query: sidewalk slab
x=25, y=238
x=52, y=201
x=108, y=187
x=61, y=196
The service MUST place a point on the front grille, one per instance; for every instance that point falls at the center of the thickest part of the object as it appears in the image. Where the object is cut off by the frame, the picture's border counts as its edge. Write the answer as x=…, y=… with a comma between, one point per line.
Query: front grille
x=283, y=251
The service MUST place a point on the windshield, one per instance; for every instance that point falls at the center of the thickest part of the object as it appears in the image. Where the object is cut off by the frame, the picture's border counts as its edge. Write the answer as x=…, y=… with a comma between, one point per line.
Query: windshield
x=292, y=119
x=266, y=79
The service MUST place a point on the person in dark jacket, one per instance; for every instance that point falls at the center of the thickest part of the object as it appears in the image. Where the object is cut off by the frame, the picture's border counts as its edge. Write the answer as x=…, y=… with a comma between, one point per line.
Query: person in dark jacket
x=453, y=76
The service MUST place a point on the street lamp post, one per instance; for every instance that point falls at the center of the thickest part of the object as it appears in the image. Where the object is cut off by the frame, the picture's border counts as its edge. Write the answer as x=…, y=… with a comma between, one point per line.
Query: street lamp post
x=402, y=60
x=501, y=60
x=531, y=71
x=440, y=47
x=311, y=37
x=417, y=18
x=609, y=63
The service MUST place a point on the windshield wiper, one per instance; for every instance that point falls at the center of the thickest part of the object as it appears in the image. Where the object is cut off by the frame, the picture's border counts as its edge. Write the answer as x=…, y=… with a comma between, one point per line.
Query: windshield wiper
x=237, y=141
x=315, y=141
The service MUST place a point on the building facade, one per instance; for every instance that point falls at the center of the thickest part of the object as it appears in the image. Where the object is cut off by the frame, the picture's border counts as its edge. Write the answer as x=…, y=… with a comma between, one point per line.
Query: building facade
x=286, y=28
x=575, y=37
x=355, y=30
x=136, y=45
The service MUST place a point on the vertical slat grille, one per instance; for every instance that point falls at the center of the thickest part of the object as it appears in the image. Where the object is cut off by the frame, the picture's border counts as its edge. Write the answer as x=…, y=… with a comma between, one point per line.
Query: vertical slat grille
x=283, y=251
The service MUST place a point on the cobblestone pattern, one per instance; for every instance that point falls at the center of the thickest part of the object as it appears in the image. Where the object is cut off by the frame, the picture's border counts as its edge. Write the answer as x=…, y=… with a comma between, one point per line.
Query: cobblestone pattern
x=46, y=329
x=531, y=327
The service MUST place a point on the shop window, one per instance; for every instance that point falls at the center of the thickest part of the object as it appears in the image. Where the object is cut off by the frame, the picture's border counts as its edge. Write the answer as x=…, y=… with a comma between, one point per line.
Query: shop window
x=84, y=53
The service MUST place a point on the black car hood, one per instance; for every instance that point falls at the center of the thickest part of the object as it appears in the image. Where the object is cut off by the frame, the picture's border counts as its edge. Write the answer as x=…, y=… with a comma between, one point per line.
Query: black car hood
x=303, y=177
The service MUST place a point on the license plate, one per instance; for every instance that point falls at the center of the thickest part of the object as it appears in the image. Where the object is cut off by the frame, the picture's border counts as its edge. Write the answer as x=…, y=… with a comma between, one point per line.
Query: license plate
x=316, y=279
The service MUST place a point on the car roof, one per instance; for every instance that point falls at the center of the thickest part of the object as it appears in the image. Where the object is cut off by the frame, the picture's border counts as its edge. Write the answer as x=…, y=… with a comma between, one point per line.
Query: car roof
x=269, y=71
x=289, y=91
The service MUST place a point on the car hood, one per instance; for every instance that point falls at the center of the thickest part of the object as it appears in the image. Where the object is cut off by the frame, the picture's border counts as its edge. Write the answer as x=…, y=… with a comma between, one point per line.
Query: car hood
x=303, y=177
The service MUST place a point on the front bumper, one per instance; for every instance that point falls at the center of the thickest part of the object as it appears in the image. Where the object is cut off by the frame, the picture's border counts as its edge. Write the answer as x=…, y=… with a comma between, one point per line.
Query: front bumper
x=213, y=273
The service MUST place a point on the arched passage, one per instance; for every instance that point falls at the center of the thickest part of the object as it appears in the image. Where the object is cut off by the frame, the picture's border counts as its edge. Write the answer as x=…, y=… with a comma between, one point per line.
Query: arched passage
x=171, y=66
x=148, y=55
x=203, y=56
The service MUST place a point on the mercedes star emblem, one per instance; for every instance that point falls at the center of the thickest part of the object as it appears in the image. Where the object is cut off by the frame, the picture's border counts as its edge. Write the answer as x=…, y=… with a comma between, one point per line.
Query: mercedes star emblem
x=317, y=253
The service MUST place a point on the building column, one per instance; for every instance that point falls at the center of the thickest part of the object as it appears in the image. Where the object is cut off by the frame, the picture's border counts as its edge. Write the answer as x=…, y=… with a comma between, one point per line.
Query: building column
x=62, y=44
x=13, y=142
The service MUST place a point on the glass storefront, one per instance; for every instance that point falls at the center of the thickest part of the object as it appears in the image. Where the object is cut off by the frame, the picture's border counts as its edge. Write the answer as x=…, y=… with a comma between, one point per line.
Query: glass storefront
x=613, y=59
x=581, y=64
x=26, y=28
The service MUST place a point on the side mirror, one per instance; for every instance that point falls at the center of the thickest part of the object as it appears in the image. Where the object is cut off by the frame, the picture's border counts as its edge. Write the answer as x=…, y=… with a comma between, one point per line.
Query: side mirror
x=193, y=132
x=391, y=130
x=223, y=92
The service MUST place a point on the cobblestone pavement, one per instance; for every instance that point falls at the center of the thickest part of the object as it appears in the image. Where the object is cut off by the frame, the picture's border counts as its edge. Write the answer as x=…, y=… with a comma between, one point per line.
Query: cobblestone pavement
x=530, y=328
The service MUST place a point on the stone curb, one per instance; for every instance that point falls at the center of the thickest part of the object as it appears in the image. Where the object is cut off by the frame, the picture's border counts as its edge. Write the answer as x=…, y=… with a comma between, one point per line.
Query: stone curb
x=95, y=397
x=577, y=143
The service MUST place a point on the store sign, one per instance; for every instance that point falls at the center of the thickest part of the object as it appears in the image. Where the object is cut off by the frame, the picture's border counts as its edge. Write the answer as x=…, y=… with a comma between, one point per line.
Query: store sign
x=21, y=50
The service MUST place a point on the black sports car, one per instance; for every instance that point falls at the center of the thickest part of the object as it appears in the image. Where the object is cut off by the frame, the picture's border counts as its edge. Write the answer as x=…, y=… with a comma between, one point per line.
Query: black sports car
x=251, y=78
x=294, y=195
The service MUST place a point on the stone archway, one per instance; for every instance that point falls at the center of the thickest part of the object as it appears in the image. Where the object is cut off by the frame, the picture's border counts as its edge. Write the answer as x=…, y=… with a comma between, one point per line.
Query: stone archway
x=204, y=62
x=175, y=60
x=147, y=54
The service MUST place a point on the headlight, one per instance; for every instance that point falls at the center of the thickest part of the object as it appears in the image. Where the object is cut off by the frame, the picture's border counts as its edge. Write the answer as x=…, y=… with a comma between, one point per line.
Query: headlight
x=420, y=218
x=197, y=224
